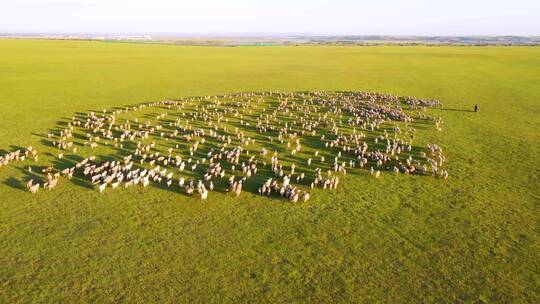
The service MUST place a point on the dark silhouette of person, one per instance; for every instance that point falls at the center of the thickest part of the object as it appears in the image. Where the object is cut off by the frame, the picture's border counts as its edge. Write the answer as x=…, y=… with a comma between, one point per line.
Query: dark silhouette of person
x=476, y=108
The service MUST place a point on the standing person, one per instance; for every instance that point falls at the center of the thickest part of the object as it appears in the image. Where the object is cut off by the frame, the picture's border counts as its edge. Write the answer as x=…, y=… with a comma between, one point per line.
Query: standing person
x=476, y=108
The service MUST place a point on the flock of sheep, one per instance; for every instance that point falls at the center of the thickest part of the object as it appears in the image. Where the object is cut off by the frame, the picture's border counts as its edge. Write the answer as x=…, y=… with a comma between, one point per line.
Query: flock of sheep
x=282, y=144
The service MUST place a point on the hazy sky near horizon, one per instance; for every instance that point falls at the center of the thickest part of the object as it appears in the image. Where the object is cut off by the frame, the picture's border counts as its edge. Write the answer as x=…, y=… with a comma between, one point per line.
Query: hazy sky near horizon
x=381, y=17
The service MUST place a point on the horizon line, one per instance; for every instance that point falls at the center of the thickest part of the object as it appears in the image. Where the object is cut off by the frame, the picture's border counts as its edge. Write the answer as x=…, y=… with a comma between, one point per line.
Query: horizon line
x=253, y=34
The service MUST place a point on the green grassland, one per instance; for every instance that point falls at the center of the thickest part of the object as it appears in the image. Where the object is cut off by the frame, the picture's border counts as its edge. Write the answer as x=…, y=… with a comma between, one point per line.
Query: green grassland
x=417, y=239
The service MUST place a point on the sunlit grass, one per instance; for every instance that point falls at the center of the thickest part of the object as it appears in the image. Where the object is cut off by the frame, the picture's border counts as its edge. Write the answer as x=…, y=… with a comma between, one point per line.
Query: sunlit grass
x=401, y=238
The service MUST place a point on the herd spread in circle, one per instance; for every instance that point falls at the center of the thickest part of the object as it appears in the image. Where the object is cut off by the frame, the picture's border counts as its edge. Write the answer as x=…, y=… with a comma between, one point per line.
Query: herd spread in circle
x=278, y=144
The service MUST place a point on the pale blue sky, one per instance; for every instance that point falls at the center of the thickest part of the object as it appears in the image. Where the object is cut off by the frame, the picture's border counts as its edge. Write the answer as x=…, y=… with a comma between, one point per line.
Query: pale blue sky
x=384, y=17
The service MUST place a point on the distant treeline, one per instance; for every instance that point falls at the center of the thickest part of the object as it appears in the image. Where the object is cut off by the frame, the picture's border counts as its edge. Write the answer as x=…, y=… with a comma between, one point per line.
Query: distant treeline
x=262, y=40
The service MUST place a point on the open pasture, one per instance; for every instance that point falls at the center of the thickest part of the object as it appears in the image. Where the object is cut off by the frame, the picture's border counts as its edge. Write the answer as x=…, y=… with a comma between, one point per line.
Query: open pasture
x=419, y=237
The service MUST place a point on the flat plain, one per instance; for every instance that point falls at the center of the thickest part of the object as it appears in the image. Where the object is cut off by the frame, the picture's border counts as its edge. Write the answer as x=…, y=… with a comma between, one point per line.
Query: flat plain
x=471, y=238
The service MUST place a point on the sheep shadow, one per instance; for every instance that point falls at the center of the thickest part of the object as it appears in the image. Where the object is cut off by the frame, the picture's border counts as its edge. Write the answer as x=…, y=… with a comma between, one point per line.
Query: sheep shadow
x=15, y=148
x=455, y=110
x=20, y=184
x=14, y=183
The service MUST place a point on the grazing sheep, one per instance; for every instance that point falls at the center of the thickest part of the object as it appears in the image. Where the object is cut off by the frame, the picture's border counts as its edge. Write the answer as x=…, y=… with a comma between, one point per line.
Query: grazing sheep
x=339, y=121
x=238, y=189
x=34, y=188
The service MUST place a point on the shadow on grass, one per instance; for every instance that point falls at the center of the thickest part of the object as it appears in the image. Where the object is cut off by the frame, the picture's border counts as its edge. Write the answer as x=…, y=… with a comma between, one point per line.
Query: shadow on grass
x=455, y=110
x=14, y=183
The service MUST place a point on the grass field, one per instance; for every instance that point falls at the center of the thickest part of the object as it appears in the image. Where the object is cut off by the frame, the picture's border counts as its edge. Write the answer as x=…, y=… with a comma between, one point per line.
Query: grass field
x=474, y=238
